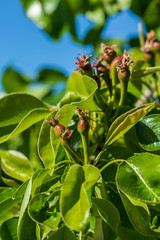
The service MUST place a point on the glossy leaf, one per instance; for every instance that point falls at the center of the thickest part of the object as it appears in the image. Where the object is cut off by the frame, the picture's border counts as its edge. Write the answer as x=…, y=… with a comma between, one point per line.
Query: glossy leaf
x=16, y=165
x=6, y=193
x=126, y=121
x=139, y=177
x=8, y=229
x=62, y=234
x=18, y=112
x=26, y=227
x=41, y=211
x=91, y=175
x=148, y=134
x=108, y=212
x=74, y=203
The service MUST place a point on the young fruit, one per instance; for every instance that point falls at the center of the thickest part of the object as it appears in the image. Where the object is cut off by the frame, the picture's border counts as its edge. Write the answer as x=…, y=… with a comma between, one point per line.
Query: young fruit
x=59, y=129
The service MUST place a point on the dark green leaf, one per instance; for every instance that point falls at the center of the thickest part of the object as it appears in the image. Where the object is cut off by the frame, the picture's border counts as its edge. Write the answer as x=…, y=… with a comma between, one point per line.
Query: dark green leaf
x=108, y=212
x=43, y=212
x=62, y=234
x=148, y=134
x=8, y=229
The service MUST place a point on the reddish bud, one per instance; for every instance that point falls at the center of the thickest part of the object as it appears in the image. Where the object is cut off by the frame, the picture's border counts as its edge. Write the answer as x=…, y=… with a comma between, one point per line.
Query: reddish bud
x=148, y=55
x=123, y=73
x=156, y=46
x=59, y=129
x=108, y=53
x=82, y=126
x=116, y=61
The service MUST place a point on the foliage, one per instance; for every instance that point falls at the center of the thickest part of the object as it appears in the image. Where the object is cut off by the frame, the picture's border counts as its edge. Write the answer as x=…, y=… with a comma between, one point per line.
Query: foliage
x=58, y=16
x=83, y=163
x=96, y=173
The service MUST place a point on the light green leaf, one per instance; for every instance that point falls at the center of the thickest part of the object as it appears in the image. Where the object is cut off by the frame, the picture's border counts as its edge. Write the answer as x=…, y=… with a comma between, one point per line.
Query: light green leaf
x=74, y=203
x=48, y=142
x=69, y=97
x=18, y=112
x=148, y=134
x=16, y=165
x=46, y=151
x=62, y=234
x=139, y=177
x=26, y=227
x=91, y=175
x=144, y=72
x=108, y=212
x=7, y=205
x=126, y=121
x=86, y=88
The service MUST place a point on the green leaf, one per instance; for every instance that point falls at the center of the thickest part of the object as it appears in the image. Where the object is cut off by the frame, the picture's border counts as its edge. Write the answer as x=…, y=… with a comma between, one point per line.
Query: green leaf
x=91, y=175
x=43, y=211
x=13, y=81
x=62, y=234
x=33, y=154
x=18, y=112
x=74, y=203
x=131, y=234
x=6, y=193
x=139, y=177
x=8, y=204
x=138, y=215
x=144, y=72
x=10, y=182
x=86, y=88
x=108, y=212
x=148, y=134
x=44, y=182
x=26, y=227
x=48, y=142
x=39, y=179
x=16, y=165
x=126, y=121
x=69, y=97
x=46, y=151
x=8, y=229
x=51, y=75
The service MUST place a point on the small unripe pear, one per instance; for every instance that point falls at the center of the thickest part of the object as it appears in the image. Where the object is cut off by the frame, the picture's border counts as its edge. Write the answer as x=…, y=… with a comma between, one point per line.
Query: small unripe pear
x=58, y=129
x=82, y=126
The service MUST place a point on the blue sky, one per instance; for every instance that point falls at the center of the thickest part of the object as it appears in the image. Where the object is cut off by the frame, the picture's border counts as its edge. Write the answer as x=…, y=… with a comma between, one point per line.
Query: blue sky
x=28, y=49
